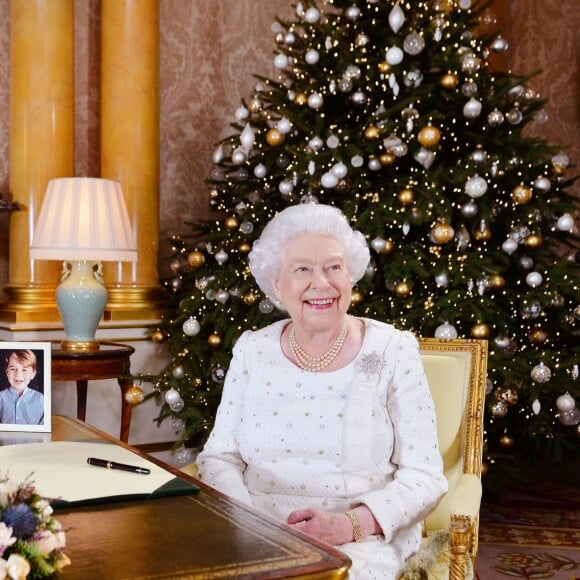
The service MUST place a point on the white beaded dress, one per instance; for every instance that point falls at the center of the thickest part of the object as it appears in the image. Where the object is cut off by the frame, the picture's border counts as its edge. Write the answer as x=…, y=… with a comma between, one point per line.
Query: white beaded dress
x=285, y=439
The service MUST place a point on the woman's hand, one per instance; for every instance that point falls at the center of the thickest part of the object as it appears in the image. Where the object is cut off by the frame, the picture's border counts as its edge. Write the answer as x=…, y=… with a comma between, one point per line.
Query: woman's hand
x=333, y=528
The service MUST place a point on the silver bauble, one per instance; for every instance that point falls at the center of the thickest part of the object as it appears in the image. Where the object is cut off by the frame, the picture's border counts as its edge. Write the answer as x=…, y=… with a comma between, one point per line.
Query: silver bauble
x=172, y=396
x=565, y=402
x=541, y=373
x=469, y=209
x=472, y=108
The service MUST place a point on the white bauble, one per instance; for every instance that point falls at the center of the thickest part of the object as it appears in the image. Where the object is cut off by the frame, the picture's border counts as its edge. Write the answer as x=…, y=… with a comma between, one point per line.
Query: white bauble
x=284, y=125
x=446, y=331
x=260, y=171
x=316, y=143
x=329, y=180
x=315, y=101
x=357, y=161
x=312, y=56
x=475, y=186
x=191, y=326
x=509, y=246
x=172, y=396
x=565, y=402
x=534, y=279
x=339, y=170
x=378, y=244
x=394, y=55
x=396, y=18
x=472, y=109
x=312, y=15
x=239, y=156
x=285, y=187
x=565, y=223
x=242, y=113
x=281, y=61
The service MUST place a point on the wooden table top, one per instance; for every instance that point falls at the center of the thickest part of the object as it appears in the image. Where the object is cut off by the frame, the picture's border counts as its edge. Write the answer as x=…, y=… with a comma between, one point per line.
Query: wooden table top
x=205, y=535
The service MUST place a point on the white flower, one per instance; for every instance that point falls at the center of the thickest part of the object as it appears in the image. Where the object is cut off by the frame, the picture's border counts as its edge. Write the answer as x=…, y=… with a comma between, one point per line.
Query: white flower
x=47, y=542
x=17, y=567
x=7, y=491
x=6, y=538
x=44, y=509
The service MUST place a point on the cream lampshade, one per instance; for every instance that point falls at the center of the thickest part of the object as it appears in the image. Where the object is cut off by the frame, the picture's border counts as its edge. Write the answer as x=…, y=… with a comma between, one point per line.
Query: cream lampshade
x=83, y=221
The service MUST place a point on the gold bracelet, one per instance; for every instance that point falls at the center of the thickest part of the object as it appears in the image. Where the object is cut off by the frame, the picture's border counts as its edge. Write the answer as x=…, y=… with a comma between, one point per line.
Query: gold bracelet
x=355, y=525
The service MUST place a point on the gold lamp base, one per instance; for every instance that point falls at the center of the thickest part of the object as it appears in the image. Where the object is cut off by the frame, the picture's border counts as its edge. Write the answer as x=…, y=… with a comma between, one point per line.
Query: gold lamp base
x=80, y=345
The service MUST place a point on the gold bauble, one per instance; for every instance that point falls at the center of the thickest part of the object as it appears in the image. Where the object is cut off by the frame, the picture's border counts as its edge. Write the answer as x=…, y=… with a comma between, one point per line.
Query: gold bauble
x=387, y=158
x=214, y=340
x=538, y=335
x=429, y=136
x=384, y=67
x=533, y=241
x=449, y=81
x=158, y=336
x=506, y=441
x=497, y=281
x=406, y=196
x=255, y=105
x=231, y=222
x=521, y=194
x=134, y=395
x=275, y=137
x=372, y=133
x=482, y=234
x=244, y=247
x=195, y=259
x=389, y=247
x=480, y=330
x=301, y=99
x=442, y=233
x=403, y=289
x=558, y=170
x=443, y=5
x=250, y=298
x=356, y=297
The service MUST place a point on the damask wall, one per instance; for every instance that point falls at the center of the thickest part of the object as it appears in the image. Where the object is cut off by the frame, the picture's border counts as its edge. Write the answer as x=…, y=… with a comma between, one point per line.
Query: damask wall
x=210, y=50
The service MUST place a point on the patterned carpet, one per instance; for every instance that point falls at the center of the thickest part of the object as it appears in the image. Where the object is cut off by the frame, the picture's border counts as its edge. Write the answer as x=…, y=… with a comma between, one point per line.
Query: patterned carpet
x=532, y=533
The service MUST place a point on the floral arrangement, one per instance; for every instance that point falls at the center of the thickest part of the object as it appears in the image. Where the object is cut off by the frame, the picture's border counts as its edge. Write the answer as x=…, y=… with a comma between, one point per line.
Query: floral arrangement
x=32, y=541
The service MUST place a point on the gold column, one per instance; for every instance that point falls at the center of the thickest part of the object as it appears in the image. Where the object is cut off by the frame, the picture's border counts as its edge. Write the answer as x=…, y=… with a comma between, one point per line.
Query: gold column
x=41, y=143
x=130, y=145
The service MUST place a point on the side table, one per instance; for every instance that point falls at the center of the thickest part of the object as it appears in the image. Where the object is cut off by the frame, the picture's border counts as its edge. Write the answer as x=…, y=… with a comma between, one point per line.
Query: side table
x=111, y=361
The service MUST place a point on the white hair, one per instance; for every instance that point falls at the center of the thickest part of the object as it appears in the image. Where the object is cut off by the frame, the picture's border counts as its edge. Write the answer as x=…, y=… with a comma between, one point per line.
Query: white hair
x=307, y=218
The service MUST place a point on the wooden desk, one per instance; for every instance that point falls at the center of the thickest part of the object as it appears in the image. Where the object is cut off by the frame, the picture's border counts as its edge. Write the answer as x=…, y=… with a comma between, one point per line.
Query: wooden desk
x=205, y=535
x=111, y=361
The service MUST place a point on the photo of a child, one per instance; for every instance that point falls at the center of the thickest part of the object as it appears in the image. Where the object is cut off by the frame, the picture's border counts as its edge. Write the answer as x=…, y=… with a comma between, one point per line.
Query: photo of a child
x=23, y=401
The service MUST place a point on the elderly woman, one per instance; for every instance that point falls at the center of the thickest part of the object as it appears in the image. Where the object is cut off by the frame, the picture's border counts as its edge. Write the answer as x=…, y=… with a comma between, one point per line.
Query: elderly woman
x=326, y=420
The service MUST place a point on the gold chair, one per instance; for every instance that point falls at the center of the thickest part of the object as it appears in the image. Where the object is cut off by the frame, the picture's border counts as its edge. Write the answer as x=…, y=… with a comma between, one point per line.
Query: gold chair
x=457, y=373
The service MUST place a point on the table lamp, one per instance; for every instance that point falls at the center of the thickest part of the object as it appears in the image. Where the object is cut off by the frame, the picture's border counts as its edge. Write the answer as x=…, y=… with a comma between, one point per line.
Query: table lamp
x=83, y=221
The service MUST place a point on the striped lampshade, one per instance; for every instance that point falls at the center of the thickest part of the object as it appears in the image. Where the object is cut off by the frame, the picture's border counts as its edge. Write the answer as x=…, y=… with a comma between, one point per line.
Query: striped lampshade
x=83, y=218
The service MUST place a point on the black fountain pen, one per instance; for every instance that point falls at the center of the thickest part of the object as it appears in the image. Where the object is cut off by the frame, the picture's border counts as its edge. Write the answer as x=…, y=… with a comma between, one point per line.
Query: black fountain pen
x=114, y=465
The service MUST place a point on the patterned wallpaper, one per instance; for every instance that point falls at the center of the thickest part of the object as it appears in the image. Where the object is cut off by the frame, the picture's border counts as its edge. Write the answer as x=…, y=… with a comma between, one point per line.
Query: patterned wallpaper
x=210, y=50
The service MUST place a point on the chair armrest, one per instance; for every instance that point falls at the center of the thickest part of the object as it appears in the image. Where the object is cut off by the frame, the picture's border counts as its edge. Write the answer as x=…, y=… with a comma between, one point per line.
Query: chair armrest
x=464, y=507
x=466, y=496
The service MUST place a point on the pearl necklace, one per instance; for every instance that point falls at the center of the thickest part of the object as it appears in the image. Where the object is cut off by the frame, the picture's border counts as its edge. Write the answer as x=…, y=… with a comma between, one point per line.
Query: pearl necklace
x=315, y=364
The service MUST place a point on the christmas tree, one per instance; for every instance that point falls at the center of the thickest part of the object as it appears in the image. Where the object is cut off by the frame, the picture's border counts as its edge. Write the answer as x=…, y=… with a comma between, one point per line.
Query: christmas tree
x=390, y=111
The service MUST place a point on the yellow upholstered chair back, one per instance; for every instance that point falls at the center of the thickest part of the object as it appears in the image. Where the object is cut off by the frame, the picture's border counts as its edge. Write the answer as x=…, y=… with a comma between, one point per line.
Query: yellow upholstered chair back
x=457, y=372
